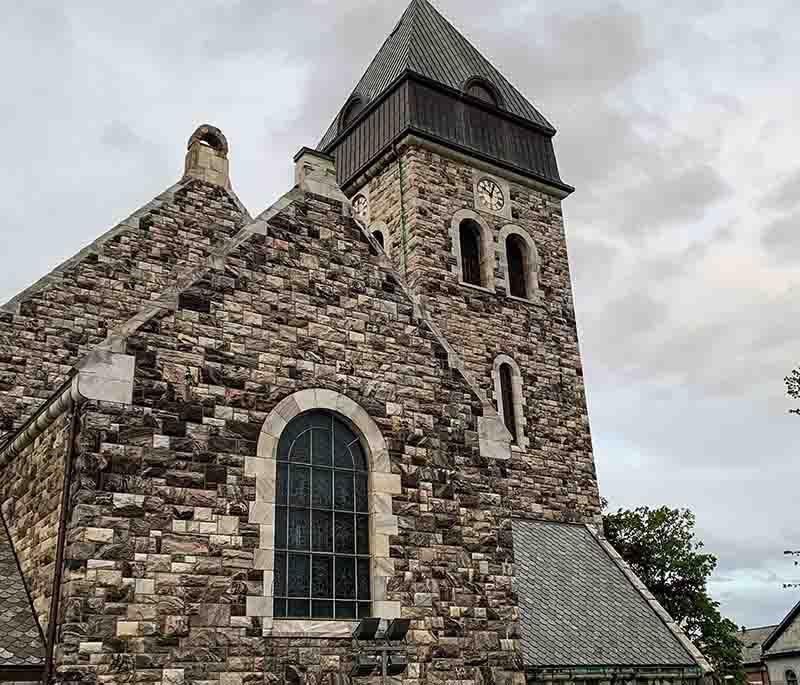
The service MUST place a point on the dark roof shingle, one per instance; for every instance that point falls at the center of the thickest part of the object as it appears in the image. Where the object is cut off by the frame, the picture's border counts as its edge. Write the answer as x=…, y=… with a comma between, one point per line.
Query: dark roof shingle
x=578, y=608
x=425, y=43
x=21, y=641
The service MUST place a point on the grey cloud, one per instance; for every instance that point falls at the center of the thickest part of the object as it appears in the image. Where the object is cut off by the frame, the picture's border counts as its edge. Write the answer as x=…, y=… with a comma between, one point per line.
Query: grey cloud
x=684, y=196
x=120, y=135
x=786, y=195
x=781, y=238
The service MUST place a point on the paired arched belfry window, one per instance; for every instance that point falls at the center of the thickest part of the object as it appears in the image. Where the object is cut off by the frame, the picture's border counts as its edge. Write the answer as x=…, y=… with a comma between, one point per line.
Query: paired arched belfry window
x=791, y=677
x=471, y=252
x=519, y=260
x=322, y=527
x=379, y=237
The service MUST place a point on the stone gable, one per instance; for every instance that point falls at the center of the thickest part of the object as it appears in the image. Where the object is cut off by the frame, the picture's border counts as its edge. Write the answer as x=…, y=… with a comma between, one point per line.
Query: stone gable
x=45, y=330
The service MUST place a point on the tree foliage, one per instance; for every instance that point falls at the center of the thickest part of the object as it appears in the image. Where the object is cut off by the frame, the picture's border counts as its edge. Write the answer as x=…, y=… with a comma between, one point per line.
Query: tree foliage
x=793, y=388
x=661, y=548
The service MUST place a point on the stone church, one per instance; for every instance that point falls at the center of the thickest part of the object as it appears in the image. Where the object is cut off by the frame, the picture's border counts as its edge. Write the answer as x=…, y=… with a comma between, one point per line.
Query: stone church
x=229, y=441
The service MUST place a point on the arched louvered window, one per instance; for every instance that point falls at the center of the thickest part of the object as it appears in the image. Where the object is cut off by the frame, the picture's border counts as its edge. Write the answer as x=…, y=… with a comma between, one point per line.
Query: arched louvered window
x=482, y=91
x=379, y=237
x=470, y=239
x=350, y=113
x=517, y=260
x=507, y=398
x=322, y=557
x=791, y=677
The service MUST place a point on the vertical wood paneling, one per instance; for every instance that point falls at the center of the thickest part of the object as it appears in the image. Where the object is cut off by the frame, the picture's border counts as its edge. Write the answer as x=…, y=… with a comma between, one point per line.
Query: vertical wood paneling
x=450, y=119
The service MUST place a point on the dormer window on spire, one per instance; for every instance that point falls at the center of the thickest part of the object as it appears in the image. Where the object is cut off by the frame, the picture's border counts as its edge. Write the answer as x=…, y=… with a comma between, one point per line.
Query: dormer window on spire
x=482, y=90
x=350, y=112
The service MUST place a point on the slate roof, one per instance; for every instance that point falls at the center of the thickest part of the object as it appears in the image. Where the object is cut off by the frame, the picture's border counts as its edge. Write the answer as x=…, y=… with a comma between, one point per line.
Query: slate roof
x=425, y=43
x=21, y=641
x=578, y=608
x=752, y=639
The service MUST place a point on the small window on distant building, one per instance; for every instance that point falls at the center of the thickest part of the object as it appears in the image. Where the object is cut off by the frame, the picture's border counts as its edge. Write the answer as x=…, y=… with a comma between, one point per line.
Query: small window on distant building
x=470, y=237
x=482, y=91
x=791, y=677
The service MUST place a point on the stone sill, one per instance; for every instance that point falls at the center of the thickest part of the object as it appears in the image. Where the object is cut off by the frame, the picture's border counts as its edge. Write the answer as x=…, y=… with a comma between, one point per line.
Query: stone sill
x=329, y=630
x=479, y=288
x=525, y=300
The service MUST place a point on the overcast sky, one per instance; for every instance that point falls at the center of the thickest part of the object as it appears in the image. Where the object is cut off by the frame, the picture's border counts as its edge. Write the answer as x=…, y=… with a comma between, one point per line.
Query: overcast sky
x=677, y=124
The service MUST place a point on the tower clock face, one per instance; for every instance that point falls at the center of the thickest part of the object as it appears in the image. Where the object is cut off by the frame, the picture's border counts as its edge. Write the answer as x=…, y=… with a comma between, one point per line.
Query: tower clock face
x=360, y=206
x=490, y=196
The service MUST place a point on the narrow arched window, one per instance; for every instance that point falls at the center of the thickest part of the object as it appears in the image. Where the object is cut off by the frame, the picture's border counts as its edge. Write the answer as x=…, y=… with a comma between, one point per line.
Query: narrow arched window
x=322, y=562
x=517, y=261
x=379, y=237
x=507, y=398
x=791, y=677
x=471, y=257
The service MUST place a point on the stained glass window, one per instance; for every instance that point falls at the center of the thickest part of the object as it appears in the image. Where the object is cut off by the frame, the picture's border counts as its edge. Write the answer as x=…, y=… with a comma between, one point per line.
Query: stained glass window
x=322, y=564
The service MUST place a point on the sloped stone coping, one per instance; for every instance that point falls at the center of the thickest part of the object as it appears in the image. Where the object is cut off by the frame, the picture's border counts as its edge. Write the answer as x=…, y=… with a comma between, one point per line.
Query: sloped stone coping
x=383, y=484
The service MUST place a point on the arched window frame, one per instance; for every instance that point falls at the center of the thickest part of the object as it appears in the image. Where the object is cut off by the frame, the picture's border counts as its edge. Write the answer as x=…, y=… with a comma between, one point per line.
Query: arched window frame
x=791, y=677
x=485, y=85
x=488, y=257
x=355, y=105
x=533, y=265
x=383, y=485
x=522, y=441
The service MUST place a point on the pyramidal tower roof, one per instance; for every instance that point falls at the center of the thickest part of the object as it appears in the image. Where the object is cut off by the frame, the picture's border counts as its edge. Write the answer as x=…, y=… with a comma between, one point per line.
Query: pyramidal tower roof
x=424, y=43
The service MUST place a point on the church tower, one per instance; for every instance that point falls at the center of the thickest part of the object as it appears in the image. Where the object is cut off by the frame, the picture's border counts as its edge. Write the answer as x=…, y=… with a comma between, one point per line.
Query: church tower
x=454, y=172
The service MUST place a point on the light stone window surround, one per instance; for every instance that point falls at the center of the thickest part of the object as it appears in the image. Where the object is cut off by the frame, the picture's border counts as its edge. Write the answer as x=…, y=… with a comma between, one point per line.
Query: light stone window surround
x=533, y=265
x=487, y=248
x=518, y=399
x=383, y=484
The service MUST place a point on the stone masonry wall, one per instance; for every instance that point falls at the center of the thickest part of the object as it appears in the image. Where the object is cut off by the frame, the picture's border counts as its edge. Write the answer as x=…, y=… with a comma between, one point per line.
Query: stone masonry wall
x=51, y=328
x=30, y=494
x=555, y=476
x=162, y=555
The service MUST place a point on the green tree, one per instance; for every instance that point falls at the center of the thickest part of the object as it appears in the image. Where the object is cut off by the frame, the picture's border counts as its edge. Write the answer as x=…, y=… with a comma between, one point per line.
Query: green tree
x=793, y=388
x=661, y=548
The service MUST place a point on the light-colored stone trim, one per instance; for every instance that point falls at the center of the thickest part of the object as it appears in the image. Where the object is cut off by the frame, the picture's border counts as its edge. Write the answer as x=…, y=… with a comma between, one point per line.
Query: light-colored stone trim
x=532, y=266
x=383, y=485
x=655, y=605
x=517, y=384
x=487, y=247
